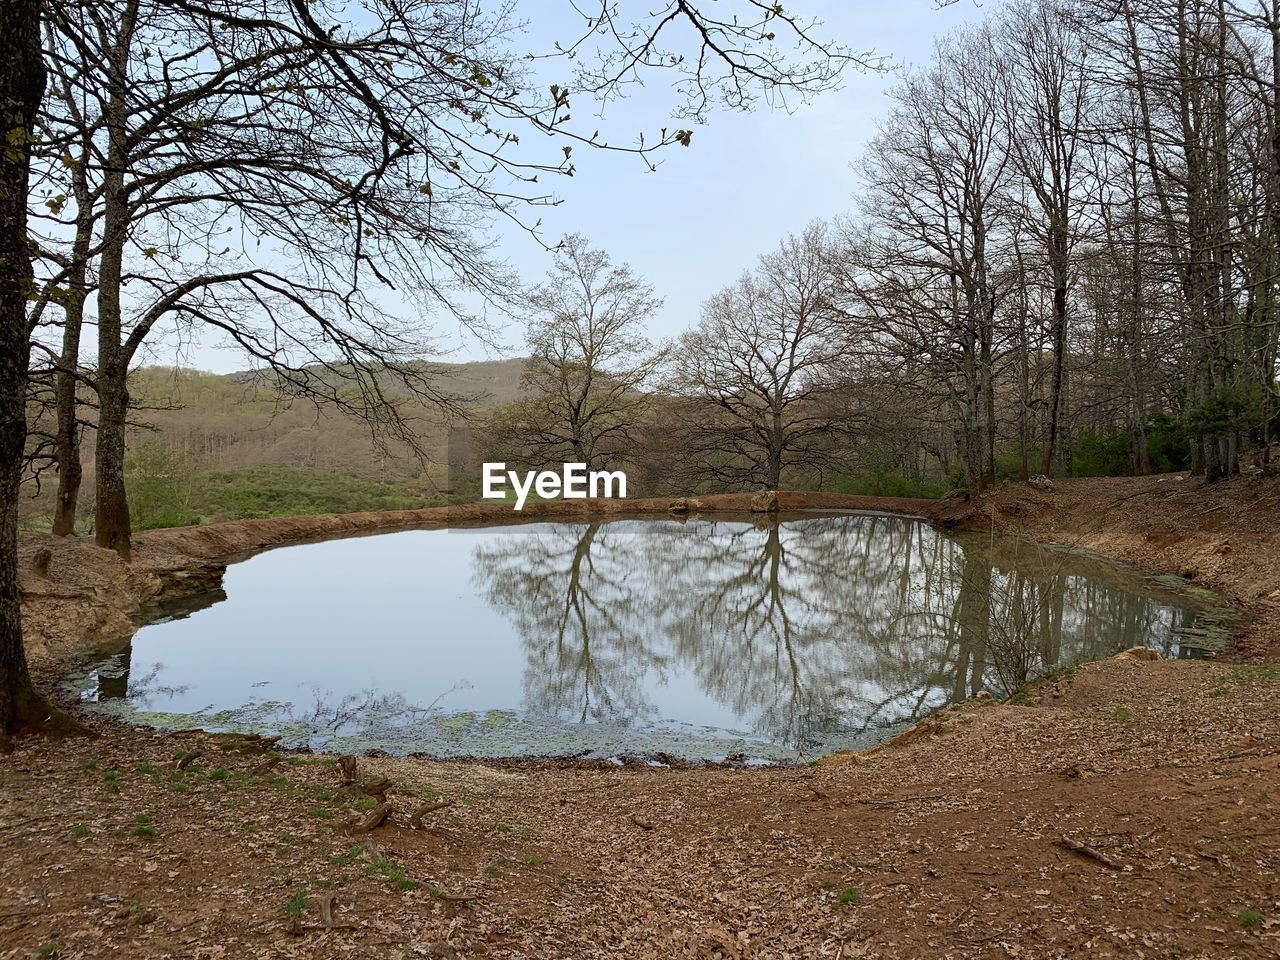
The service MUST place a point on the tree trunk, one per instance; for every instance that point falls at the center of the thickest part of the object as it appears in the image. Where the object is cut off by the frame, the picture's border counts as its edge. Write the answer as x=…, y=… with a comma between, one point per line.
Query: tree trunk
x=1059, y=334
x=1024, y=376
x=112, y=528
x=1141, y=456
x=70, y=470
x=22, y=80
x=777, y=440
x=111, y=517
x=987, y=381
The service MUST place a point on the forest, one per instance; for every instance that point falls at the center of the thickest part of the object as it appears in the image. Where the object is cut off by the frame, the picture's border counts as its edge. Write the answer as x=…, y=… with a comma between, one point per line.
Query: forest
x=1060, y=261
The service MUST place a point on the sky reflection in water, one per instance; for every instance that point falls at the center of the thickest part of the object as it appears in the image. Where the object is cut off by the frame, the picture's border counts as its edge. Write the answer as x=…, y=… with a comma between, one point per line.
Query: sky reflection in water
x=701, y=638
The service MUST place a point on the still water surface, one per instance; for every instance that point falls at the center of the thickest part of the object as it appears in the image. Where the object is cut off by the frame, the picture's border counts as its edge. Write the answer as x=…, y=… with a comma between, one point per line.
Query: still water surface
x=699, y=638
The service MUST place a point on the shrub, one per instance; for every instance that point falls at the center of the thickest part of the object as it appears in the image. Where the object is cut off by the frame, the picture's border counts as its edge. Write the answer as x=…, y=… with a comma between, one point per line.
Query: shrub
x=1097, y=454
x=160, y=484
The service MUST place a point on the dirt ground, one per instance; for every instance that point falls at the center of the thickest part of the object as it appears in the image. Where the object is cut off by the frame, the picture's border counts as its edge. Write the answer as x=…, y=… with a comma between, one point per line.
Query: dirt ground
x=1125, y=809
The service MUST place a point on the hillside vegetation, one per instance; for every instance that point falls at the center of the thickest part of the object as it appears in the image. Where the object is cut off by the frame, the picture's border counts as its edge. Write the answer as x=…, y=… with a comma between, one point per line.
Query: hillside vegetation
x=206, y=447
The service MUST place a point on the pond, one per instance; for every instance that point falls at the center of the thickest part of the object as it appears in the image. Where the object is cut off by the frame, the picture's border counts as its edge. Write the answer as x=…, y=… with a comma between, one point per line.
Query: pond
x=702, y=639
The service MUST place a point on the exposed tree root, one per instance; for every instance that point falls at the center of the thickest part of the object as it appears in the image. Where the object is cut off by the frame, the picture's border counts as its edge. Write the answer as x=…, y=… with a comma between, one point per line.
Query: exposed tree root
x=188, y=758
x=347, y=767
x=377, y=787
x=373, y=819
x=415, y=818
x=1092, y=853
x=454, y=897
x=267, y=765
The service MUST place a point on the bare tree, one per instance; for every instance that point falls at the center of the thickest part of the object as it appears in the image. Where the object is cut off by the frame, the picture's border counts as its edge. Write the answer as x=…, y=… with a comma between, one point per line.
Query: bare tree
x=22, y=81
x=923, y=278
x=757, y=371
x=590, y=360
x=1046, y=89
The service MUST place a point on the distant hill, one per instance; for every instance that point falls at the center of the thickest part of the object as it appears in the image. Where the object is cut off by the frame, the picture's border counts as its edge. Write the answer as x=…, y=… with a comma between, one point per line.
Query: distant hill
x=236, y=421
x=491, y=382
x=205, y=446
x=498, y=379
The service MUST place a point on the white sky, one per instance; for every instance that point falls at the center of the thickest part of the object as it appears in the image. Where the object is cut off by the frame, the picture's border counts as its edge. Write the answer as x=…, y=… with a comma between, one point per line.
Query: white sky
x=711, y=209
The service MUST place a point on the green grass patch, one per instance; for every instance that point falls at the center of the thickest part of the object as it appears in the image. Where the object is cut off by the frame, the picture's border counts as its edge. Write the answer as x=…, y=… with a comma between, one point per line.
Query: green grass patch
x=393, y=873
x=849, y=895
x=293, y=491
x=296, y=905
x=352, y=855
x=1250, y=919
x=1251, y=673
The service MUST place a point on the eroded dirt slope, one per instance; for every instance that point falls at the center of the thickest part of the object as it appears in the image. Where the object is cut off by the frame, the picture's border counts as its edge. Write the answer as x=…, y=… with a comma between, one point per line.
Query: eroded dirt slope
x=1223, y=536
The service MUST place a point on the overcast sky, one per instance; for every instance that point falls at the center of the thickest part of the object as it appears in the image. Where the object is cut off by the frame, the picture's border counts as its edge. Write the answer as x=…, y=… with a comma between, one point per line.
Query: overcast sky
x=745, y=182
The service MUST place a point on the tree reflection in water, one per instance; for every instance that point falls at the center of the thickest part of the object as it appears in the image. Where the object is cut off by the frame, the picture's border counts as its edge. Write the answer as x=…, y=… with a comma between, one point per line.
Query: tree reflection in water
x=582, y=607
x=809, y=631
x=113, y=678
x=777, y=638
